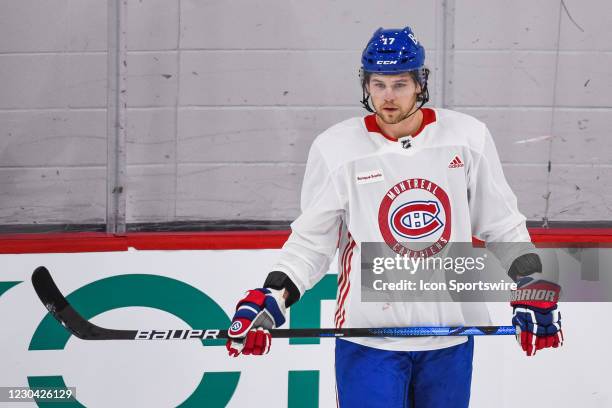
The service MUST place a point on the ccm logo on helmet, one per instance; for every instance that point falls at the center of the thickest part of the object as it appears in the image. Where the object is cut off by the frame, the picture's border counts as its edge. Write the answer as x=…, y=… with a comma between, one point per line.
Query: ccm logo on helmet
x=386, y=62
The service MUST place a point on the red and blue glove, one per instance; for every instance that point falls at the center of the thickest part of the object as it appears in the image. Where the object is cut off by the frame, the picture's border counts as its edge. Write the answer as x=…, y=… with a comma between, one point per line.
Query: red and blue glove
x=536, y=317
x=259, y=310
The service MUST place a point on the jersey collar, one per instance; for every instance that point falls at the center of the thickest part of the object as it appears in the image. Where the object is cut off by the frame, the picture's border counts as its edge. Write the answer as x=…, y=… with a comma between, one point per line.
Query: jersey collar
x=429, y=116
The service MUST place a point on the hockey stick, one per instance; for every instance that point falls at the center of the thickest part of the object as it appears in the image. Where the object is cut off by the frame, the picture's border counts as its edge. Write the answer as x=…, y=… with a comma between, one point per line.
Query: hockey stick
x=59, y=307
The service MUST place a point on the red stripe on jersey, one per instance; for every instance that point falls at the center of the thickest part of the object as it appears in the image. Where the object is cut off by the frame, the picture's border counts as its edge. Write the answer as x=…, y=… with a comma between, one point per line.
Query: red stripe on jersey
x=343, y=278
x=342, y=288
x=346, y=266
x=348, y=288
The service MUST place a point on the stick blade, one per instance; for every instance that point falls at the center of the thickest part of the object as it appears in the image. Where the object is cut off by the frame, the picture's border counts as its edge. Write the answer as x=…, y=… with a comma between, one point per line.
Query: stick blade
x=56, y=303
x=58, y=306
x=47, y=291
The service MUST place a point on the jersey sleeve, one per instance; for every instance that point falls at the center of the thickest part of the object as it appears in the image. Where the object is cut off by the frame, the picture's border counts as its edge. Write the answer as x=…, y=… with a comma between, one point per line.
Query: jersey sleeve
x=496, y=218
x=494, y=212
x=306, y=256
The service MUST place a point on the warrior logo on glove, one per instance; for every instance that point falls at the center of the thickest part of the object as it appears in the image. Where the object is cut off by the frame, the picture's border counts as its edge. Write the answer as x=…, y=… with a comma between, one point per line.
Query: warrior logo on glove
x=536, y=317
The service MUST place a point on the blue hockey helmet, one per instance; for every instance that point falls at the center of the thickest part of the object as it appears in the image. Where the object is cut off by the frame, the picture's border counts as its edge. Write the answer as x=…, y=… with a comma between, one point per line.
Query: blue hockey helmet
x=394, y=51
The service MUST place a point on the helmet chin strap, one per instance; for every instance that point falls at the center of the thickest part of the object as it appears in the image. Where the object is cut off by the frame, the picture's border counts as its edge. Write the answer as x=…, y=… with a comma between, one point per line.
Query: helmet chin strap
x=409, y=114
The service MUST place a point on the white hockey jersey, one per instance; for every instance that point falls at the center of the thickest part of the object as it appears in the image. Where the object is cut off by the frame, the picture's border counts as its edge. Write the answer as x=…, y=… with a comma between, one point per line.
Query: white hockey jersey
x=358, y=187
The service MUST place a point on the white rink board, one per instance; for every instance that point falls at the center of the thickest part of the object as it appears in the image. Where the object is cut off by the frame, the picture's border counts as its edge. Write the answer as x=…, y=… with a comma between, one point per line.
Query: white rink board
x=164, y=374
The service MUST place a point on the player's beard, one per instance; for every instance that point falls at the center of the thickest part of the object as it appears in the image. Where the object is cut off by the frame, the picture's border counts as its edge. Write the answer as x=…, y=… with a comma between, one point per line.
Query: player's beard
x=395, y=117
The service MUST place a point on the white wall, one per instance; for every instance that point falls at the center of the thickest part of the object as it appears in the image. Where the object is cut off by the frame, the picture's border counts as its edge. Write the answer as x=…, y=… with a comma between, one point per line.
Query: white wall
x=225, y=98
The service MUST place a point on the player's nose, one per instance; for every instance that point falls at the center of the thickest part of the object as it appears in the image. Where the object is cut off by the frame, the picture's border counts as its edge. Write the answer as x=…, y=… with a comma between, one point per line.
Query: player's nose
x=389, y=94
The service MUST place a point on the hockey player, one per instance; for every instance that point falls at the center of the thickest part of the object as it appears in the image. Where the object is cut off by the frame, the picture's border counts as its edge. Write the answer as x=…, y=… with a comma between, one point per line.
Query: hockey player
x=362, y=176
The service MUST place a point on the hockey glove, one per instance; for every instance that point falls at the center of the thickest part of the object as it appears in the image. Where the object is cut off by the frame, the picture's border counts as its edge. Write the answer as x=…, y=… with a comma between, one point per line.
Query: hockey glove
x=259, y=310
x=536, y=317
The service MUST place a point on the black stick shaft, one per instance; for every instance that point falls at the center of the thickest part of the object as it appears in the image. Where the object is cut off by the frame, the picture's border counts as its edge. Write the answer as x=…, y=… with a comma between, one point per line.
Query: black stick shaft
x=59, y=307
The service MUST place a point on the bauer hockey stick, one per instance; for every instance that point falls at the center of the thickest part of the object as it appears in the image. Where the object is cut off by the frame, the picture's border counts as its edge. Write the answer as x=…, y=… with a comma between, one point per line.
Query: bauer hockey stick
x=58, y=306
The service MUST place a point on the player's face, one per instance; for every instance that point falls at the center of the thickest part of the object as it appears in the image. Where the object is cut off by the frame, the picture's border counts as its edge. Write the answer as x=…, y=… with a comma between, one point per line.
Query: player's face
x=393, y=96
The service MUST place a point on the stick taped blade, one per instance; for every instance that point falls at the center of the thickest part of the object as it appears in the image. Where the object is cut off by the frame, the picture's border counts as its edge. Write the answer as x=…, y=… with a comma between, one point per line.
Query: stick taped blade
x=48, y=291
x=58, y=306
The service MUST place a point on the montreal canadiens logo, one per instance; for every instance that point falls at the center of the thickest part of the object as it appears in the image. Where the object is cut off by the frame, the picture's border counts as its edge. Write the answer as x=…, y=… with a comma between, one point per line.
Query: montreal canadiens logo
x=416, y=219
x=415, y=210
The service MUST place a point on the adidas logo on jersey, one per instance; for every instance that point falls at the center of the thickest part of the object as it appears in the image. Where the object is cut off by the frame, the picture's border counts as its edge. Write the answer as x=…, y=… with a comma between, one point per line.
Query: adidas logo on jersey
x=456, y=162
